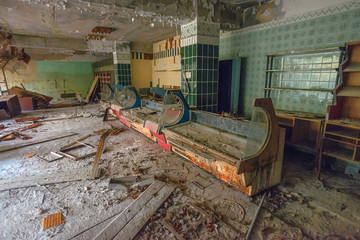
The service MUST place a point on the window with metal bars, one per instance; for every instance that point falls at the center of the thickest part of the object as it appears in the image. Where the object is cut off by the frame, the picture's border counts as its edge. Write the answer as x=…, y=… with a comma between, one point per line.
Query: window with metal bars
x=303, y=81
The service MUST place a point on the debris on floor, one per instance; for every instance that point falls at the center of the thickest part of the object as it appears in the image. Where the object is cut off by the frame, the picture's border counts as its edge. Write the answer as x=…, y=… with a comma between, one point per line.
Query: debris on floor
x=29, y=155
x=53, y=220
x=31, y=126
x=27, y=119
x=52, y=156
x=144, y=192
x=13, y=135
x=20, y=92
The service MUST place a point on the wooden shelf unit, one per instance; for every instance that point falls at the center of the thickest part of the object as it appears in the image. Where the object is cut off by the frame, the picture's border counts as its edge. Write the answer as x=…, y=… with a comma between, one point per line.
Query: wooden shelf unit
x=341, y=136
x=302, y=132
x=341, y=141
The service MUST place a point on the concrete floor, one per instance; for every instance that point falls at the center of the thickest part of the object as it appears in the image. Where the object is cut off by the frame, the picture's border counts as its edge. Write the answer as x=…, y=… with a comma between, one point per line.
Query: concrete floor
x=301, y=207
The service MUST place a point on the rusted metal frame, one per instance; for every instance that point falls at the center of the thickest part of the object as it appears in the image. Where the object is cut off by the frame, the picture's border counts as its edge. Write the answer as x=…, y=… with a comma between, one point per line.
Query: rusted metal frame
x=228, y=174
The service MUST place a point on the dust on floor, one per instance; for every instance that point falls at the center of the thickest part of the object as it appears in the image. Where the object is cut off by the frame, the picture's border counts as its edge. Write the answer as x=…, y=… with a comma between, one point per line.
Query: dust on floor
x=301, y=207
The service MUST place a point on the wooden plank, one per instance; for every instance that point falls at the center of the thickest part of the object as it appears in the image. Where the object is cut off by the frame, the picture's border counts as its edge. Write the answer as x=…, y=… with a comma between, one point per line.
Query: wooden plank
x=349, y=91
x=31, y=126
x=355, y=53
x=120, y=221
x=29, y=143
x=352, y=79
x=93, y=86
x=181, y=138
x=76, y=141
x=33, y=181
x=134, y=225
x=350, y=106
x=99, y=152
x=276, y=167
x=352, y=67
x=57, y=119
x=27, y=119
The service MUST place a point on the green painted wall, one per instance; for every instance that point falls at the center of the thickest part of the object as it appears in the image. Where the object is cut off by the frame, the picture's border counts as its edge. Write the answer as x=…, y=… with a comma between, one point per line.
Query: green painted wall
x=324, y=28
x=54, y=77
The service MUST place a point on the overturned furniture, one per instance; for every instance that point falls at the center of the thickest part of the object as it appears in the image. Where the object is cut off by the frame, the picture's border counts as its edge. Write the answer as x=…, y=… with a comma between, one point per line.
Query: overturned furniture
x=246, y=155
x=9, y=106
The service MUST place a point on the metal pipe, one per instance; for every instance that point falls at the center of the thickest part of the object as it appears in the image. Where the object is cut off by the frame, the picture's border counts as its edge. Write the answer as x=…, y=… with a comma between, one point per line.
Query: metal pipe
x=256, y=216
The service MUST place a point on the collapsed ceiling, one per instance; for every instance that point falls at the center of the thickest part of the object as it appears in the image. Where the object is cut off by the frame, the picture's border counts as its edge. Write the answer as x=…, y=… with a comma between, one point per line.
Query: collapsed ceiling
x=51, y=29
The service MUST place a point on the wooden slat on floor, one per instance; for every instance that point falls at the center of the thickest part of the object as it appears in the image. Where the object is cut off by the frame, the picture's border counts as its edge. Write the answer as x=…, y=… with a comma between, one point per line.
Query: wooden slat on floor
x=33, y=142
x=23, y=182
x=134, y=217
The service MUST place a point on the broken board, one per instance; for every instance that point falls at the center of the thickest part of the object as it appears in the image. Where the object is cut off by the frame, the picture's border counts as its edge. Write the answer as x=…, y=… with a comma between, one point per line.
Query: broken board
x=92, y=89
x=23, y=182
x=134, y=217
x=99, y=152
x=33, y=142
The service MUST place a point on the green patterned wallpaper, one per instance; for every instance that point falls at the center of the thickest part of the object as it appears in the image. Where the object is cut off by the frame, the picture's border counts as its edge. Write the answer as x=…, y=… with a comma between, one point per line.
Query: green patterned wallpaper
x=324, y=28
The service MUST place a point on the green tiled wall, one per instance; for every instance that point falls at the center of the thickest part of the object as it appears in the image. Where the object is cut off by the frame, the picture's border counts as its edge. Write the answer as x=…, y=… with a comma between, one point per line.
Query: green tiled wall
x=122, y=74
x=326, y=28
x=200, y=57
x=202, y=61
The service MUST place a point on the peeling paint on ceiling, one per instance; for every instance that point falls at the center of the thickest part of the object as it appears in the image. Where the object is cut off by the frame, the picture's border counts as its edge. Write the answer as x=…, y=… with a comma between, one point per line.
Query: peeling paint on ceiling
x=46, y=23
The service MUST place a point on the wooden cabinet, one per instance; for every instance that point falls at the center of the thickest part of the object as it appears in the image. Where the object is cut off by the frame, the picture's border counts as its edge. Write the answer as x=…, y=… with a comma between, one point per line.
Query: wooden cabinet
x=303, y=132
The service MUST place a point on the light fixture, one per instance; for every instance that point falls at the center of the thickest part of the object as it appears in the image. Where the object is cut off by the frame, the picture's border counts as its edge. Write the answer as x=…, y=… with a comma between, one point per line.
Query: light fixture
x=132, y=19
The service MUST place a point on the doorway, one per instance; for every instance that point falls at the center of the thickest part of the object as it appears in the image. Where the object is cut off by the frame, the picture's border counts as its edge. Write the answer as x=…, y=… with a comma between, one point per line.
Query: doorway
x=229, y=86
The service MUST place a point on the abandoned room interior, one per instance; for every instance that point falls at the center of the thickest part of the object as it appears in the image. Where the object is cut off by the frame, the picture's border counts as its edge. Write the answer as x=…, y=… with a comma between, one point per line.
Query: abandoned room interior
x=194, y=119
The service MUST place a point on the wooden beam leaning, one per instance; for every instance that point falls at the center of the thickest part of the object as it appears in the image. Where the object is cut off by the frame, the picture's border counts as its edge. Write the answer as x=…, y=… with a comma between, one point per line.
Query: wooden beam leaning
x=92, y=89
x=99, y=152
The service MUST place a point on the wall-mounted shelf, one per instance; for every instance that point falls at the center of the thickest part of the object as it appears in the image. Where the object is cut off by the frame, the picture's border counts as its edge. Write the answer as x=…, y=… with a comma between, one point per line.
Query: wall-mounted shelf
x=352, y=67
x=349, y=91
